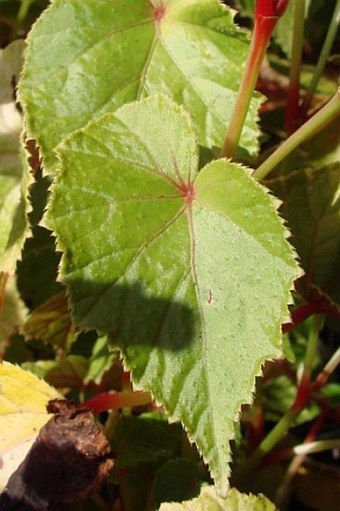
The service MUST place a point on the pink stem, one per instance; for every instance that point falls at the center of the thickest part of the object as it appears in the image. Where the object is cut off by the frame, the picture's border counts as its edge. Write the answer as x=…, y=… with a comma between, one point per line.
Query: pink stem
x=105, y=402
x=267, y=13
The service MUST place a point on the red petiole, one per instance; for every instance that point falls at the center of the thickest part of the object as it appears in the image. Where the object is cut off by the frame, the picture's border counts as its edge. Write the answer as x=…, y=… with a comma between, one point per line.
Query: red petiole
x=267, y=14
x=105, y=402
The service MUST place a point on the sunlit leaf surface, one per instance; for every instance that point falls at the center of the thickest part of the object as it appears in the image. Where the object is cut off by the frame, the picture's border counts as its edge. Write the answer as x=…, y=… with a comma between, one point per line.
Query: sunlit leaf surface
x=189, y=273
x=104, y=54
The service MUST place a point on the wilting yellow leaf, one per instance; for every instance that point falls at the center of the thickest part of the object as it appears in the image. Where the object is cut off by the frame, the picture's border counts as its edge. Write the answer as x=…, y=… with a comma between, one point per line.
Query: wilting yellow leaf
x=23, y=399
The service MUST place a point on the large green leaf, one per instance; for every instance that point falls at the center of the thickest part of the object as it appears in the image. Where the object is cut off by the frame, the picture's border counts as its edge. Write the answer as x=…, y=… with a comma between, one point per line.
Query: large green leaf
x=188, y=272
x=311, y=206
x=14, y=179
x=87, y=57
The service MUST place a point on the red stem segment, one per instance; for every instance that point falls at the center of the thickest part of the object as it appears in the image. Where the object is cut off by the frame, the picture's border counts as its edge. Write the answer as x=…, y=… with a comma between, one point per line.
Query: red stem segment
x=105, y=402
x=303, y=394
x=267, y=13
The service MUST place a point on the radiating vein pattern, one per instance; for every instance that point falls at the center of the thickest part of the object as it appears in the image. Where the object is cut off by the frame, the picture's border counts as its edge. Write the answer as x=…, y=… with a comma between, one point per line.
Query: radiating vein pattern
x=188, y=272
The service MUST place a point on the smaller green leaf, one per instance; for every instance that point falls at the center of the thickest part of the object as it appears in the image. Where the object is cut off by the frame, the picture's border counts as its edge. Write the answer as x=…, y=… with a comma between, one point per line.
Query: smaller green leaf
x=125, y=51
x=210, y=501
x=51, y=322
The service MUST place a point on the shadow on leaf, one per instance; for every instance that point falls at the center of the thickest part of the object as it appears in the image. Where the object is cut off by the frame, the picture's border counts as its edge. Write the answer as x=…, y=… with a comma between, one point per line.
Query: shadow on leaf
x=132, y=319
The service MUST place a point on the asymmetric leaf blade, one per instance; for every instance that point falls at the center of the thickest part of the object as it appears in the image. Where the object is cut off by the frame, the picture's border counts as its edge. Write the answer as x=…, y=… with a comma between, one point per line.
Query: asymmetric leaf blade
x=189, y=273
x=108, y=53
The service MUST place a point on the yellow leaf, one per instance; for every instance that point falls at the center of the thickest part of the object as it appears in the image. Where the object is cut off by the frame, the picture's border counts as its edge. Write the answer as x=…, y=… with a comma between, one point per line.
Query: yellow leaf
x=23, y=399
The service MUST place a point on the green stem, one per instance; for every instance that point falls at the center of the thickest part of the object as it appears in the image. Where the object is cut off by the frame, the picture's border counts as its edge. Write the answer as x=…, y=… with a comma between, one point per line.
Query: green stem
x=21, y=16
x=24, y=8
x=268, y=443
x=326, y=48
x=288, y=419
x=317, y=446
x=292, y=110
x=322, y=118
